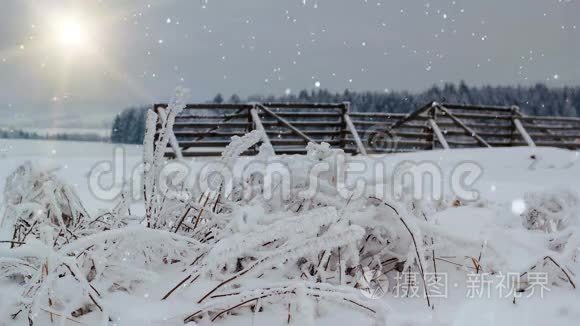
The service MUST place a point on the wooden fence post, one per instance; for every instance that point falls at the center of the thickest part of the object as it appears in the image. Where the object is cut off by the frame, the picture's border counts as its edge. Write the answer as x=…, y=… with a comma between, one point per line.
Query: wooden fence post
x=259, y=126
x=522, y=131
x=463, y=126
x=439, y=134
x=345, y=110
x=361, y=148
x=287, y=124
x=434, y=119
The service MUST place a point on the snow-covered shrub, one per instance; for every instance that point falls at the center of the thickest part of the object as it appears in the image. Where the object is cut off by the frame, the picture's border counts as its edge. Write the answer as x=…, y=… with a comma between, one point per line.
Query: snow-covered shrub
x=291, y=237
x=35, y=200
x=551, y=211
x=555, y=212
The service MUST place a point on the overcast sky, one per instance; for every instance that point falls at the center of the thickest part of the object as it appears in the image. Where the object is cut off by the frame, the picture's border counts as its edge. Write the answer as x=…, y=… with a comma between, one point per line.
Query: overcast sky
x=141, y=50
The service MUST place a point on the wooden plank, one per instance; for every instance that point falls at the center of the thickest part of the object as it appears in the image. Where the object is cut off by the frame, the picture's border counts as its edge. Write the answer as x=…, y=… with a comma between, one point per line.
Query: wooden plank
x=245, y=124
x=559, y=135
x=210, y=116
x=218, y=152
x=362, y=122
x=386, y=115
x=307, y=114
x=461, y=132
x=289, y=105
x=439, y=134
x=452, y=132
x=443, y=122
x=522, y=131
x=361, y=149
x=213, y=125
x=214, y=106
x=558, y=144
x=181, y=133
x=396, y=150
x=472, y=142
x=403, y=142
x=286, y=123
x=249, y=106
x=412, y=115
x=442, y=119
x=314, y=123
x=399, y=149
x=225, y=142
x=293, y=138
x=498, y=108
x=481, y=116
x=329, y=133
x=468, y=130
x=483, y=120
x=550, y=118
x=533, y=125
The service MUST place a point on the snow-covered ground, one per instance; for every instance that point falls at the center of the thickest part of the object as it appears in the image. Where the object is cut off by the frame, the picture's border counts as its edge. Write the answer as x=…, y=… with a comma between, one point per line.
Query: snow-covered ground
x=74, y=160
x=507, y=172
x=509, y=181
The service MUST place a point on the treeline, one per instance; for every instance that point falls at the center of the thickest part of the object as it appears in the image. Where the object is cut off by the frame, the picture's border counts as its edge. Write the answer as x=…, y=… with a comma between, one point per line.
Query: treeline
x=22, y=134
x=129, y=126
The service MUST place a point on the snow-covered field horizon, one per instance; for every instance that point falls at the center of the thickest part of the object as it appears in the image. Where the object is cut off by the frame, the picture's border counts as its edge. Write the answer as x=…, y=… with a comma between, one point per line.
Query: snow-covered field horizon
x=507, y=173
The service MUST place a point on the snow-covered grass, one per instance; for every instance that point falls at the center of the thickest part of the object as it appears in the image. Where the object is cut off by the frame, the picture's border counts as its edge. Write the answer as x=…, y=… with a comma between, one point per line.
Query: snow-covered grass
x=239, y=258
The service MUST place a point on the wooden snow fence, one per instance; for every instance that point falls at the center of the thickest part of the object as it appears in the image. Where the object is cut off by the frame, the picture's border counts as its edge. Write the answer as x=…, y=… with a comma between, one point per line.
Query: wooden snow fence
x=205, y=129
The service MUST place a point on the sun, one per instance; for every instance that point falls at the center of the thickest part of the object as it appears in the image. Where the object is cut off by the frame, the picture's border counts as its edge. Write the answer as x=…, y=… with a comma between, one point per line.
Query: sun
x=71, y=33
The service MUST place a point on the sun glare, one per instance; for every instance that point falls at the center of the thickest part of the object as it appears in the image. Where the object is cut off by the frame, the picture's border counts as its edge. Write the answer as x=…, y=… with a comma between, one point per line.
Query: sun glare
x=71, y=33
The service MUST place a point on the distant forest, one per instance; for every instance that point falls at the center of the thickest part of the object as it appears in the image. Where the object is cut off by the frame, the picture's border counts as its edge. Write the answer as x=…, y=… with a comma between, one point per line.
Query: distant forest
x=129, y=125
x=21, y=134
